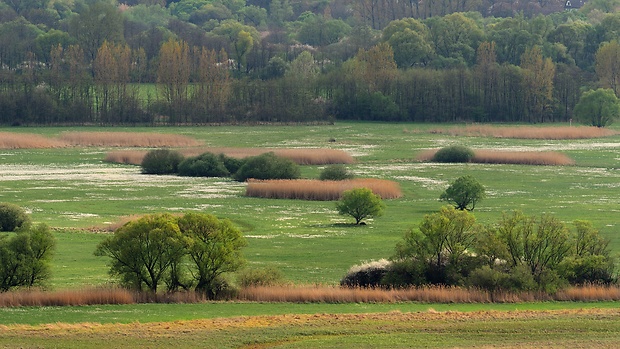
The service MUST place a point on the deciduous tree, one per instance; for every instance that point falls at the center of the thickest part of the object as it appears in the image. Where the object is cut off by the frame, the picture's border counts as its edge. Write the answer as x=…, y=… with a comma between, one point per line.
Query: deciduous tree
x=598, y=107
x=608, y=66
x=465, y=192
x=360, y=204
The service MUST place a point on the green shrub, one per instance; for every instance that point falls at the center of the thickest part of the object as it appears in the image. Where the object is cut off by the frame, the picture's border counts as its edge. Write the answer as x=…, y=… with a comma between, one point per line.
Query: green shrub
x=595, y=269
x=405, y=273
x=335, y=173
x=267, y=166
x=454, y=153
x=254, y=277
x=231, y=164
x=12, y=217
x=514, y=280
x=161, y=161
x=366, y=275
x=204, y=165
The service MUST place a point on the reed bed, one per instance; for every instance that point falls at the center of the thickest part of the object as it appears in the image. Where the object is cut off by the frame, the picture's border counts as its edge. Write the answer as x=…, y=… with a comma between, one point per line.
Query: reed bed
x=9, y=140
x=528, y=132
x=91, y=296
x=589, y=293
x=485, y=156
x=305, y=156
x=307, y=294
x=127, y=139
x=310, y=189
x=128, y=157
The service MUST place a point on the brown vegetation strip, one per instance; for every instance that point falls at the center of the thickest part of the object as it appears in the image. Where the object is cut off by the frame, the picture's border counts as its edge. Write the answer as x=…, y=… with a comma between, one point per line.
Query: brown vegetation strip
x=127, y=139
x=484, y=156
x=431, y=294
x=302, y=156
x=10, y=140
x=310, y=189
x=528, y=132
x=308, y=294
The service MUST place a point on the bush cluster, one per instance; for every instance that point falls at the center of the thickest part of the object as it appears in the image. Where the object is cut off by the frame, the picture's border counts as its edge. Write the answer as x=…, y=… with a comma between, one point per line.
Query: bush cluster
x=335, y=173
x=12, y=217
x=519, y=253
x=454, y=153
x=264, y=166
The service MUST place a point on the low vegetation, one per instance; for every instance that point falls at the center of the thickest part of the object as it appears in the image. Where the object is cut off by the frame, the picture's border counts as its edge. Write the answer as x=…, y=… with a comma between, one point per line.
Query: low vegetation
x=127, y=139
x=311, y=189
x=11, y=140
x=454, y=154
x=161, y=161
x=528, y=132
x=13, y=217
x=335, y=173
x=486, y=156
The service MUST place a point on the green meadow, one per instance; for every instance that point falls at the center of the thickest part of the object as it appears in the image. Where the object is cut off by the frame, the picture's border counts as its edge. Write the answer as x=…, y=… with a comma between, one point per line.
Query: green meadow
x=75, y=191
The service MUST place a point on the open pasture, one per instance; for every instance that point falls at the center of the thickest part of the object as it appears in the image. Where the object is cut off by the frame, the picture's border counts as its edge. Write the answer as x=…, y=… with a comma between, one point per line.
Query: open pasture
x=75, y=191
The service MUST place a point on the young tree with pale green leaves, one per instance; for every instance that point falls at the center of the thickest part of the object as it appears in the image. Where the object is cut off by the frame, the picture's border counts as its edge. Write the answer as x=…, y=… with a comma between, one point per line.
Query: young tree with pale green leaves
x=465, y=192
x=360, y=203
x=598, y=107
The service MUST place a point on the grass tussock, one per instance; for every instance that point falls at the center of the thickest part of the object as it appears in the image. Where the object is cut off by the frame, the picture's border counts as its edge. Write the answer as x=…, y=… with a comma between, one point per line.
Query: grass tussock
x=528, y=132
x=127, y=139
x=485, y=156
x=91, y=296
x=306, y=156
x=9, y=140
x=310, y=189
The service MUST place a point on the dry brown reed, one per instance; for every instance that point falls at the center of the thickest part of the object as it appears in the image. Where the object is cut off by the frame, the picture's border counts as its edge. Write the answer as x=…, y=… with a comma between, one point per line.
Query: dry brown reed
x=127, y=139
x=129, y=157
x=9, y=140
x=430, y=294
x=67, y=297
x=485, y=156
x=310, y=189
x=589, y=293
x=305, y=156
x=528, y=132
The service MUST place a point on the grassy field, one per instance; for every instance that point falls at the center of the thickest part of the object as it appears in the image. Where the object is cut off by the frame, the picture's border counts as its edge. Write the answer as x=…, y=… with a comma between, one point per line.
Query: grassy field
x=72, y=189
x=579, y=328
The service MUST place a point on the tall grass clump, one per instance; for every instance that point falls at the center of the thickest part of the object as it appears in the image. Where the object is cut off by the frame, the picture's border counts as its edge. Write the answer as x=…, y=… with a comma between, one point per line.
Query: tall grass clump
x=453, y=153
x=548, y=158
x=127, y=157
x=485, y=156
x=161, y=161
x=310, y=189
x=127, y=139
x=267, y=166
x=335, y=173
x=92, y=296
x=10, y=140
x=528, y=132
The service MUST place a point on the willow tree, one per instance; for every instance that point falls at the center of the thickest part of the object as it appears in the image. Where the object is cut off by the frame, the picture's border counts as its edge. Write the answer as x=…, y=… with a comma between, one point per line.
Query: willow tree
x=608, y=66
x=111, y=66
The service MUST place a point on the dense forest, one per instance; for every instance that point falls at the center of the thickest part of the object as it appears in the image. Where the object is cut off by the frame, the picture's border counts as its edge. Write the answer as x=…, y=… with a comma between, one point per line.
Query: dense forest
x=101, y=62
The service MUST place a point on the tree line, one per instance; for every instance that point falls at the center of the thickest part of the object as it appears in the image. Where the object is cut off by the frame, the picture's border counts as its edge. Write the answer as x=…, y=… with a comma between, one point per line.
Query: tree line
x=216, y=61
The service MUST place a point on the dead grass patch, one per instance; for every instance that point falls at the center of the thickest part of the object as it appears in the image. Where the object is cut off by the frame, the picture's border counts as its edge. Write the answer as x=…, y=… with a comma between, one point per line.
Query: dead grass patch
x=9, y=140
x=486, y=156
x=311, y=189
x=305, y=156
x=589, y=293
x=127, y=139
x=528, y=132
